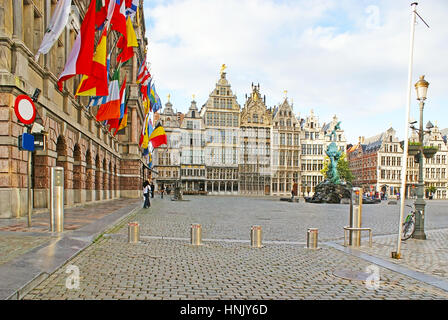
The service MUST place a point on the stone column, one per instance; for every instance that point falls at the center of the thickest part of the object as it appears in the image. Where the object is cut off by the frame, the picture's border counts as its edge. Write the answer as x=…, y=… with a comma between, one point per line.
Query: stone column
x=134, y=125
x=90, y=182
x=17, y=11
x=79, y=181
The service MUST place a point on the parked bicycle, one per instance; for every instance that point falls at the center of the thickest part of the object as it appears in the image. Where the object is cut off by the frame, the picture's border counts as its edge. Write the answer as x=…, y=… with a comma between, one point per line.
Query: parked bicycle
x=408, y=227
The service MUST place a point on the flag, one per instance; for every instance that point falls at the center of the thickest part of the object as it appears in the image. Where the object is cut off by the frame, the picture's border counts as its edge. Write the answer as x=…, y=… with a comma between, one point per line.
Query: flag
x=104, y=12
x=131, y=7
x=111, y=109
x=146, y=132
x=158, y=136
x=118, y=20
x=81, y=57
x=158, y=104
x=115, y=123
x=124, y=121
x=96, y=84
x=55, y=27
x=143, y=73
x=127, y=42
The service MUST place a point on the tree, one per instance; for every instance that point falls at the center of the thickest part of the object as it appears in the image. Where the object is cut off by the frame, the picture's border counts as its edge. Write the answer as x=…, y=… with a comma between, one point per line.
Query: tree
x=343, y=168
x=431, y=189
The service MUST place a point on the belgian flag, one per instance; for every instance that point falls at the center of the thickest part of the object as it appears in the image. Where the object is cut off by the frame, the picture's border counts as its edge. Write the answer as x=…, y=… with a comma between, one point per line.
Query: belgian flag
x=158, y=136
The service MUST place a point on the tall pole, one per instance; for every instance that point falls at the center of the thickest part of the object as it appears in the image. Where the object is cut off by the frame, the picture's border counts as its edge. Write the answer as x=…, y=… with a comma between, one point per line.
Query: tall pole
x=419, y=232
x=397, y=254
x=30, y=203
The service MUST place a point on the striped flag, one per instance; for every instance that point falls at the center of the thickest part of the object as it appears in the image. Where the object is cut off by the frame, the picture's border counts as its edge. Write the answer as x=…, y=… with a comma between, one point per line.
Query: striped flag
x=96, y=83
x=111, y=108
x=158, y=136
x=81, y=57
x=131, y=7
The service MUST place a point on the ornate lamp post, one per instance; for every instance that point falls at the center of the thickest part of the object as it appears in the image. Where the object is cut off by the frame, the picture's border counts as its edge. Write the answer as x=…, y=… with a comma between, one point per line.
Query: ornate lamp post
x=422, y=88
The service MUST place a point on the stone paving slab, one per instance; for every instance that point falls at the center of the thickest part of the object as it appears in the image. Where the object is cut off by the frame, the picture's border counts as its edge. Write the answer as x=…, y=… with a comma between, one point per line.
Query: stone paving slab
x=13, y=245
x=33, y=253
x=74, y=218
x=429, y=256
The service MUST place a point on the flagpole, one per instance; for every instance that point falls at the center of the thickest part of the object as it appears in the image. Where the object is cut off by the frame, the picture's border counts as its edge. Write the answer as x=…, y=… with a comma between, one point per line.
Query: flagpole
x=397, y=254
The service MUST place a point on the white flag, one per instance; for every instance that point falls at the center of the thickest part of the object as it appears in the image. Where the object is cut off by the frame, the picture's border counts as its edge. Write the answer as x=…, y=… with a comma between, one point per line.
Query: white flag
x=57, y=24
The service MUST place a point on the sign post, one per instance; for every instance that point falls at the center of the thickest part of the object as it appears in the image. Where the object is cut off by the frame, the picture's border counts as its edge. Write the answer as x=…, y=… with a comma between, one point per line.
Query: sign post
x=25, y=111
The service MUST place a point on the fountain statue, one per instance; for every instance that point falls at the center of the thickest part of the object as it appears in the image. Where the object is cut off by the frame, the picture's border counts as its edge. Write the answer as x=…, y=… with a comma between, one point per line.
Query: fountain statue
x=332, y=189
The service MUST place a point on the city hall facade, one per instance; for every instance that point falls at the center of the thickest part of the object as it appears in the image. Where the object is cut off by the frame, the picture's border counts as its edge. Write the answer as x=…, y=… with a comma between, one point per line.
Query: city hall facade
x=97, y=165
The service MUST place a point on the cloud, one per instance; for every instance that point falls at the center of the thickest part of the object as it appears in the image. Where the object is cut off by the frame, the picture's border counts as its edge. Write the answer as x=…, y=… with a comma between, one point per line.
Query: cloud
x=345, y=57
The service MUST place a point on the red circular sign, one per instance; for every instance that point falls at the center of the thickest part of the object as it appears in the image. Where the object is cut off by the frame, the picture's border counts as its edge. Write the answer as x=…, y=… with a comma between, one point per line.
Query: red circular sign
x=25, y=109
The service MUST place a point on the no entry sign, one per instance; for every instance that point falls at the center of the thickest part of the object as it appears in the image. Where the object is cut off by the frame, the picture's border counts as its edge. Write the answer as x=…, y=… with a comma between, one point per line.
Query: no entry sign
x=25, y=109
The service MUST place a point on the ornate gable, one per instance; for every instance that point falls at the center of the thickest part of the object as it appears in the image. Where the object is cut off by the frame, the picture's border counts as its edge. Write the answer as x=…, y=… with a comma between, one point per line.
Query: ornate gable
x=255, y=112
x=284, y=116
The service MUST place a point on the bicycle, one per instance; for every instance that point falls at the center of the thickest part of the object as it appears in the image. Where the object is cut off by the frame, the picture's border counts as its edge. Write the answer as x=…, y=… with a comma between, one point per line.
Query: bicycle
x=408, y=227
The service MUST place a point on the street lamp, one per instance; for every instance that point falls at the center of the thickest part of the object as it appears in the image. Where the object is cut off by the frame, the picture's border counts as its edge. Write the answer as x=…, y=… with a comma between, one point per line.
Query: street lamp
x=422, y=89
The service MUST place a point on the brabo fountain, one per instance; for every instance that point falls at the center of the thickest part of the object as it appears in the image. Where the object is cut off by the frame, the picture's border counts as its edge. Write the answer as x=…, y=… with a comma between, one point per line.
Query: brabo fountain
x=332, y=189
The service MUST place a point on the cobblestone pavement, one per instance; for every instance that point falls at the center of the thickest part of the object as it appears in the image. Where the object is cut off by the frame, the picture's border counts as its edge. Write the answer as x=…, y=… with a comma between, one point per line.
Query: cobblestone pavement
x=12, y=246
x=173, y=269
x=429, y=256
x=232, y=218
x=74, y=218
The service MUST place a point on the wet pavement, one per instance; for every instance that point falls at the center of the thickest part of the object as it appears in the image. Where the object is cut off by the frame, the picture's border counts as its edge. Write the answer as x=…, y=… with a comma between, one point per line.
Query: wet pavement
x=163, y=265
x=29, y=255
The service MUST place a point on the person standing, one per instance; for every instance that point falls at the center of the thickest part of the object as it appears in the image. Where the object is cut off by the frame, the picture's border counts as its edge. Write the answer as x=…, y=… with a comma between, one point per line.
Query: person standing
x=152, y=190
x=162, y=190
x=147, y=204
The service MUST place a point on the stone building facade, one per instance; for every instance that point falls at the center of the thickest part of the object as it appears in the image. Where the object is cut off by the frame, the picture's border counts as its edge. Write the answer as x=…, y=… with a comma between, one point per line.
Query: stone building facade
x=97, y=165
x=376, y=163
x=221, y=114
x=285, y=163
x=255, y=150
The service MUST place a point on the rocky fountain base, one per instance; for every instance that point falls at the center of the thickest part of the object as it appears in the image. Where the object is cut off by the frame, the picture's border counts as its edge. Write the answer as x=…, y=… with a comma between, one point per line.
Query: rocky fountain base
x=329, y=192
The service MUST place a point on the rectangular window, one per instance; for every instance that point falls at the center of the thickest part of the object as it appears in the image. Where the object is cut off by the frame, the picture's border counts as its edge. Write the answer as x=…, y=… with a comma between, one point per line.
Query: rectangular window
x=296, y=139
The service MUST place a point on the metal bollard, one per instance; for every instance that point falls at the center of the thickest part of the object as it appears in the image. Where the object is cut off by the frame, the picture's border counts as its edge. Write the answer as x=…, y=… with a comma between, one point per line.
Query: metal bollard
x=356, y=217
x=312, y=238
x=196, y=234
x=133, y=232
x=255, y=237
x=57, y=200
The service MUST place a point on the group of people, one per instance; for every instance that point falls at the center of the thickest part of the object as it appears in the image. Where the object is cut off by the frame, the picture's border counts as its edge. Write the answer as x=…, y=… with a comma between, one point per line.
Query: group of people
x=148, y=191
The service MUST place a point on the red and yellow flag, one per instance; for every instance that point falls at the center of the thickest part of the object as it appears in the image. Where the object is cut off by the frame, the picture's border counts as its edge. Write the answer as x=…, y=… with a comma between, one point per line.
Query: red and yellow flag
x=158, y=137
x=95, y=84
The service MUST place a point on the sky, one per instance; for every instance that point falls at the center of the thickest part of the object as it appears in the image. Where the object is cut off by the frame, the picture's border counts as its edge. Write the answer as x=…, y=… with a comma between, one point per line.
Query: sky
x=336, y=57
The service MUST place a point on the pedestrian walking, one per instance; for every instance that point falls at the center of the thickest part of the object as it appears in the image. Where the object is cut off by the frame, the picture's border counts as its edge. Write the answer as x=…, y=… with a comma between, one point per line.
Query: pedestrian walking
x=152, y=190
x=162, y=190
x=147, y=204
